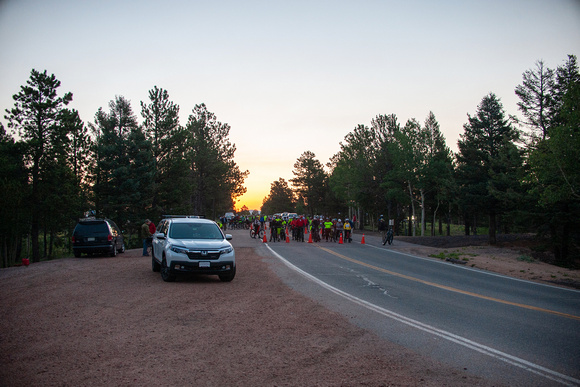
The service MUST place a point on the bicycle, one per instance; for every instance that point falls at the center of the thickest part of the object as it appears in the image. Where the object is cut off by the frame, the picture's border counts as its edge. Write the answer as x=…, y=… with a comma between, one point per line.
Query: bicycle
x=388, y=237
x=259, y=234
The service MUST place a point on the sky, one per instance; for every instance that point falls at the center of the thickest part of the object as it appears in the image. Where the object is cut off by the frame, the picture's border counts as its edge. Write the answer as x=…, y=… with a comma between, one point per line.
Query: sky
x=287, y=76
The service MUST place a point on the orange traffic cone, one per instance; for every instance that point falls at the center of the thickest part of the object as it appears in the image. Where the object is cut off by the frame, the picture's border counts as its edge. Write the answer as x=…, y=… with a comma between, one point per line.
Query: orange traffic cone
x=310, y=238
x=287, y=238
x=265, y=240
x=362, y=242
x=340, y=240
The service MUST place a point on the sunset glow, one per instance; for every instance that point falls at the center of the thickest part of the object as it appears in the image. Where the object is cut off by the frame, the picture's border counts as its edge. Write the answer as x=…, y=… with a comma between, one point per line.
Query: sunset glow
x=288, y=77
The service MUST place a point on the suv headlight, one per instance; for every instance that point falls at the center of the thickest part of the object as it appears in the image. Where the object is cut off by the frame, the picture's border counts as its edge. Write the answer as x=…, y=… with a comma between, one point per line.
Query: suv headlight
x=179, y=250
x=226, y=250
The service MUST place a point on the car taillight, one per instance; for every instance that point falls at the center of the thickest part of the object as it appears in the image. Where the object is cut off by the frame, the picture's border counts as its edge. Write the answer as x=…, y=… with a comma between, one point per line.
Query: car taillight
x=110, y=237
x=73, y=239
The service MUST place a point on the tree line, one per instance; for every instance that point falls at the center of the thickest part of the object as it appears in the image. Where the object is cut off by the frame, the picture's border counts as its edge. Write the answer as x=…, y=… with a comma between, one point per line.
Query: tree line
x=508, y=175
x=54, y=167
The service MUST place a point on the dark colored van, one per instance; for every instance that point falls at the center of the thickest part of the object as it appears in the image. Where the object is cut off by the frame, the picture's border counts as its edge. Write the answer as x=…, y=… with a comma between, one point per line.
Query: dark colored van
x=97, y=236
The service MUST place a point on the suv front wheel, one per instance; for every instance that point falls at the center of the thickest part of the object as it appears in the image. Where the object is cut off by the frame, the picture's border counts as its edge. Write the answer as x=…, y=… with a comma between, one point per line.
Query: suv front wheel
x=229, y=276
x=155, y=266
x=165, y=274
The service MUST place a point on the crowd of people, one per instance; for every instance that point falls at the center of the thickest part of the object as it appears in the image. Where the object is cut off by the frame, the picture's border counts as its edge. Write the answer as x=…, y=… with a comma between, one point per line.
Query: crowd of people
x=320, y=227
x=295, y=227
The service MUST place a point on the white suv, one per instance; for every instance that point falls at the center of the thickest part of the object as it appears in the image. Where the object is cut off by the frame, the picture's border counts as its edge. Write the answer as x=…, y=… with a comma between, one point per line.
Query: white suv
x=188, y=244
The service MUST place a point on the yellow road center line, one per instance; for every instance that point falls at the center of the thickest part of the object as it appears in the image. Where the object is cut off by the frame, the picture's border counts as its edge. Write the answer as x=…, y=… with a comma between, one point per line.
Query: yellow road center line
x=449, y=288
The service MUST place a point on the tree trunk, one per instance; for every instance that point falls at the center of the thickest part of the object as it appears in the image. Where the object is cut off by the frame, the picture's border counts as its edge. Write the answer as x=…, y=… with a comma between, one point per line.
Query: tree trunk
x=412, y=215
x=449, y=221
x=423, y=220
x=435, y=220
x=492, y=228
x=411, y=229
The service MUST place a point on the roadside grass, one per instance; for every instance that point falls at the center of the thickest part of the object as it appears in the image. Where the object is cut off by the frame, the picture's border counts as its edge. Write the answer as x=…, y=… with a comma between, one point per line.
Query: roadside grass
x=453, y=255
x=526, y=258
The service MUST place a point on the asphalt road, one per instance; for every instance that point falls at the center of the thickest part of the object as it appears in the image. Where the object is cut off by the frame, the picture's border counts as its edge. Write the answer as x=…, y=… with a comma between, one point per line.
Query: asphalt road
x=520, y=332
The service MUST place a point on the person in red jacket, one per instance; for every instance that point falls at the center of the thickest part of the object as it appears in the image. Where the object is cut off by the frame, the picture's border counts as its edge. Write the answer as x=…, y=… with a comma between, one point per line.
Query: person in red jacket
x=300, y=224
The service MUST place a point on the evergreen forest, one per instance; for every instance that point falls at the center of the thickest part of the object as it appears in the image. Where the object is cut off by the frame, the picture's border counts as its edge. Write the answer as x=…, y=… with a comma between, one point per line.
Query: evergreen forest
x=509, y=175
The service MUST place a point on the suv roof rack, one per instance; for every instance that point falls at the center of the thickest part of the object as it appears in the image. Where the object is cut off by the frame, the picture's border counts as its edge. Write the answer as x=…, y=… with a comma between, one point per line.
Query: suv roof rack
x=183, y=216
x=89, y=219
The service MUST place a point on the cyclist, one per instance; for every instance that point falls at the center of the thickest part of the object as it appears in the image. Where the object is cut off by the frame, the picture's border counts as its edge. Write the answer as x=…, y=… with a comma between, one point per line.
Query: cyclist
x=327, y=228
x=347, y=230
x=315, y=230
x=274, y=229
x=256, y=226
x=339, y=229
x=382, y=228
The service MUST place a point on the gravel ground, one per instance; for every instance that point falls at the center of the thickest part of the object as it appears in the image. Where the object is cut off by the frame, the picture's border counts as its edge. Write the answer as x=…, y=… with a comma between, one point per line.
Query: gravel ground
x=113, y=322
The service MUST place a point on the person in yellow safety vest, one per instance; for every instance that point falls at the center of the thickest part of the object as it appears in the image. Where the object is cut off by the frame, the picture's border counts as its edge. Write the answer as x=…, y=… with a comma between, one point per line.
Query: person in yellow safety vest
x=347, y=230
x=327, y=228
x=279, y=226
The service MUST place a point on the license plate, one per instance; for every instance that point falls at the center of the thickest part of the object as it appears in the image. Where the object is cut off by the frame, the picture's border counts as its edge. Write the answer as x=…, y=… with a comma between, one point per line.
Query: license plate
x=90, y=239
x=204, y=264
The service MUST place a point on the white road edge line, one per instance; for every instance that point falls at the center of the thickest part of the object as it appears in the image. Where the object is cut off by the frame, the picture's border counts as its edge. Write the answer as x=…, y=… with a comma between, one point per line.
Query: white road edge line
x=513, y=360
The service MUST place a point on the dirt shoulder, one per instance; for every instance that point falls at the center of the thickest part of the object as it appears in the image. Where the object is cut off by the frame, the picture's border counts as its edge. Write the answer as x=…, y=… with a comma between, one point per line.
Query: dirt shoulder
x=112, y=321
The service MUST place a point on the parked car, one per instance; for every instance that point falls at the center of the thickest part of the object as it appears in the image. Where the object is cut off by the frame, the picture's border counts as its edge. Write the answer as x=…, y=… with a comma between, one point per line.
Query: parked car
x=97, y=236
x=188, y=244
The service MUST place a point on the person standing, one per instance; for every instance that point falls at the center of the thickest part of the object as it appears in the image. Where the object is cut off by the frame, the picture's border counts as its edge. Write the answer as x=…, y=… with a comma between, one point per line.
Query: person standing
x=145, y=235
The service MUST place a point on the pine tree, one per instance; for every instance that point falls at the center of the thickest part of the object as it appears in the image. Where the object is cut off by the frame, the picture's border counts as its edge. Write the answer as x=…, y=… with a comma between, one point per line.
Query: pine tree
x=536, y=98
x=167, y=137
x=215, y=179
x=554, y=172
x=438, y=173
x=487, y=157
x=123, y=167
x=14, y=207
x=310, y=182
x=280, y=199
x=35, y=117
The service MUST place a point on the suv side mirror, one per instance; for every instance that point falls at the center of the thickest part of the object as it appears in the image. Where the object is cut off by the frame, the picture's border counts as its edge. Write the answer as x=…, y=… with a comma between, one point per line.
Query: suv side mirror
x=228, y=237
x=159, y=235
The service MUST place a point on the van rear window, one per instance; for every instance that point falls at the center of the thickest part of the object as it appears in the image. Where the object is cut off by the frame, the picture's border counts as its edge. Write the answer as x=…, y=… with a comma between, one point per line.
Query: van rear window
x=91, y=228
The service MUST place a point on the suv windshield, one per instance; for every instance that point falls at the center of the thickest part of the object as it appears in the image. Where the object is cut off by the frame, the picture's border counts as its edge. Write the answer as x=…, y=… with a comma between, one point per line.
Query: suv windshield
x=195, y=231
